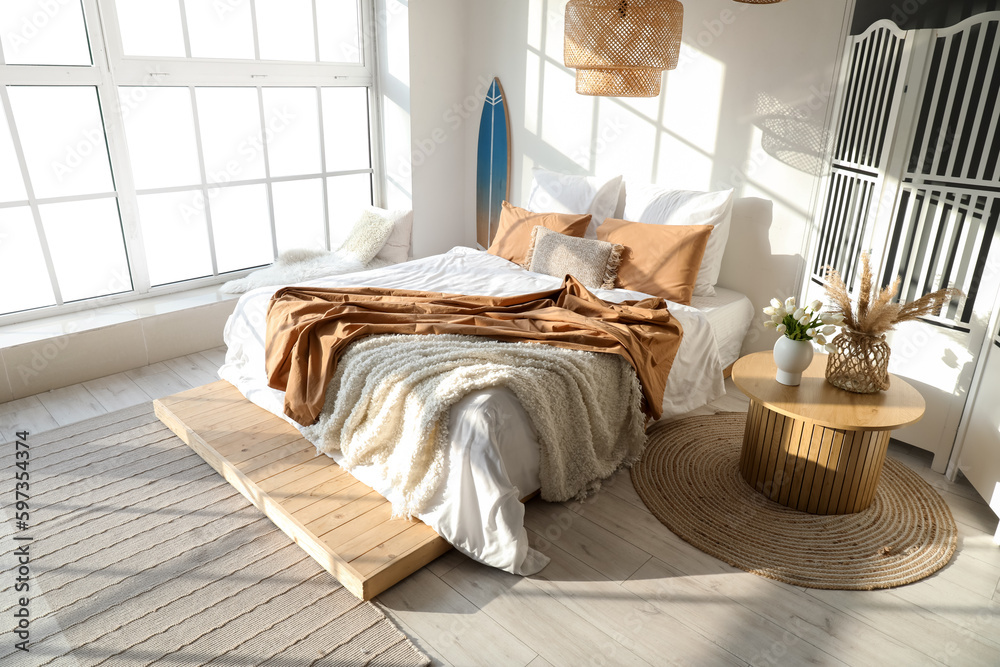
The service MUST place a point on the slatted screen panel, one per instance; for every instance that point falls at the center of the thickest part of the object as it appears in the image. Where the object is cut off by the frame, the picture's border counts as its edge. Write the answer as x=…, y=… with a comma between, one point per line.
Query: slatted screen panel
x=872, y=82
x=941, y=237
x=956, y=136
x=872, y=92
x=946, y=220
x=848, y=204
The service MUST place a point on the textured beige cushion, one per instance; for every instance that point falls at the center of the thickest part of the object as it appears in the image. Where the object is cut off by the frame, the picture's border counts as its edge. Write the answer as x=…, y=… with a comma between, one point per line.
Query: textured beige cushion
x=369, y=234
x=593, y=263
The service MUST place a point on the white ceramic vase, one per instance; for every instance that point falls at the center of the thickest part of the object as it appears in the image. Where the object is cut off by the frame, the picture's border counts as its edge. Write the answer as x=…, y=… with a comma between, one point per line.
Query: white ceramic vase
x=792, y=357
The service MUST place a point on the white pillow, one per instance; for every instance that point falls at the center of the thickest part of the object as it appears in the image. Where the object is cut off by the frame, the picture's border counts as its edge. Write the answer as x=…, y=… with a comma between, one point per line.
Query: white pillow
x=564, y=193
x=397, y=247
x=368, y=236
x=656, y=205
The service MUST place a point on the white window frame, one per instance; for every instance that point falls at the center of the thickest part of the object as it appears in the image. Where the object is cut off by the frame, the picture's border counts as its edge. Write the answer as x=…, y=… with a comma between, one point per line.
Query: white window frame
x=112, y=69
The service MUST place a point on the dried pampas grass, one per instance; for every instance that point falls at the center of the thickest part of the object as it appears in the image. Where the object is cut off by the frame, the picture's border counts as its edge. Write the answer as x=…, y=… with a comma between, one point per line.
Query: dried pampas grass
x=876, y=313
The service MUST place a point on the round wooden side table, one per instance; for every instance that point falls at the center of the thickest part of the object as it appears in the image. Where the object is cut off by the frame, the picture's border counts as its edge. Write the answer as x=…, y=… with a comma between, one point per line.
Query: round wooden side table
x=817, y=448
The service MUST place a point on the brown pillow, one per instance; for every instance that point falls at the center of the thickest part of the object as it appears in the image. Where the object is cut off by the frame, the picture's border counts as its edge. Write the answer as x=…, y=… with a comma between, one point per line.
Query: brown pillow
x=514, y=231
x=594, y=263
x=661, y=260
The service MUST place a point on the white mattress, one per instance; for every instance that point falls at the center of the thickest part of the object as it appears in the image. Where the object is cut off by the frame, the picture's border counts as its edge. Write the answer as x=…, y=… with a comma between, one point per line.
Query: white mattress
x=730, y=313
x=493, y=458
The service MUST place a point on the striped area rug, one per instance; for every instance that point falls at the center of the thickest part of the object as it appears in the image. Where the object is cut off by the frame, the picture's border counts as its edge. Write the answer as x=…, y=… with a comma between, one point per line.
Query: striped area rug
x=142, y=554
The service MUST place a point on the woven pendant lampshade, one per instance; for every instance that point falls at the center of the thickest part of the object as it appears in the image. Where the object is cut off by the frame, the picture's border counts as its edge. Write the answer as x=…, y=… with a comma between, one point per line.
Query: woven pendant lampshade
x=620, y=47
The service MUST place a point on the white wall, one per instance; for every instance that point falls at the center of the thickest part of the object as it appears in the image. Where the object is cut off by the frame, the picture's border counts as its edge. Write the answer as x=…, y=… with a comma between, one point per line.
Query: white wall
x=702, y=133
x=438, y=35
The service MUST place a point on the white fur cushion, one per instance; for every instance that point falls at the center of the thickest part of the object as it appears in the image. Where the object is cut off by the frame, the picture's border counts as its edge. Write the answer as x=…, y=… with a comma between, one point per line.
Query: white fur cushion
x=552, y=192
x=369, y=234
x=657, y=205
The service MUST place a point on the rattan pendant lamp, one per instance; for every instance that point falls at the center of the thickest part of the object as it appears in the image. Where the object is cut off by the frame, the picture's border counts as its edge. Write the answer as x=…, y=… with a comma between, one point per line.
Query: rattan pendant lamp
x=620, y=48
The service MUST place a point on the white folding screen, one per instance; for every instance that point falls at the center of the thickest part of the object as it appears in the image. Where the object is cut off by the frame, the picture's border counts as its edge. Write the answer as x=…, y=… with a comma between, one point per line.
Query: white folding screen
x=915, y=181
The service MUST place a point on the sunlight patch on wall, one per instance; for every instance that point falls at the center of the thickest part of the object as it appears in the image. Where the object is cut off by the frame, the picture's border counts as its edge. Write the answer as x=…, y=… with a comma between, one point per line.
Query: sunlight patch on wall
x=397, y=42
x=693, y=98
x=532, y=88
x=536, y=23
x=681, y=165
x=625, y=137
x=568, y=118
x=555, y=29
x=396, y=128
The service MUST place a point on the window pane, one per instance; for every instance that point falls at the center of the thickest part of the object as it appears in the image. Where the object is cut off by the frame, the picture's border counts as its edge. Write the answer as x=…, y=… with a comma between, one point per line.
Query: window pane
x=347, y=196
x=62, y=135
x=229, y=122
x=285, y=30
x=298, y=214
x=175, y=234
x=11, y=181
x=159, y=127
x=21, y=263
x=43, y=33
x=292, y=119
x=151, y=27
x=219, y=29
x=242, y=228
x=345, y=129
x=339, y=37
x=88, y=251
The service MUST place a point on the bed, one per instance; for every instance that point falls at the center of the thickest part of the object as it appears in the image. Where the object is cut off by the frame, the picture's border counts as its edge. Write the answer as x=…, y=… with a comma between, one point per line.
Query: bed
x=493, y=461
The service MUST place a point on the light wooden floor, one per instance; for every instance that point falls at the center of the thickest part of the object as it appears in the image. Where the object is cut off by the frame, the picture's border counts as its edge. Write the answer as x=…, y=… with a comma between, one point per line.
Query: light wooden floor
x=623, y=590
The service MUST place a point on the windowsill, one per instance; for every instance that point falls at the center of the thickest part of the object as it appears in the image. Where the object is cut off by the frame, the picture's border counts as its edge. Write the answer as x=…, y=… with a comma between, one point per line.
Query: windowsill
x=105, y=316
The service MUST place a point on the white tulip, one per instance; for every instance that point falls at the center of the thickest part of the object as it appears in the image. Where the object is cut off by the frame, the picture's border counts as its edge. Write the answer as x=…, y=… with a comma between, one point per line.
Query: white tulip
x=816, y=306
x=781, y=328
x=831, y=348
x=821, y=339
x=799, y=314
x=769, y=311
x=770, y=325
x=775, y=303
x=835, y=319
x=829, y=330
x=776, y=318
x=790, y=302
x=811, y=333
x=805, y=320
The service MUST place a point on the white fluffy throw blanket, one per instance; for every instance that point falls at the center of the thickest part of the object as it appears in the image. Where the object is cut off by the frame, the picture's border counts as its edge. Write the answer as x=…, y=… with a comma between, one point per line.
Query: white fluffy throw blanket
x=297, y=266
x=389, y=401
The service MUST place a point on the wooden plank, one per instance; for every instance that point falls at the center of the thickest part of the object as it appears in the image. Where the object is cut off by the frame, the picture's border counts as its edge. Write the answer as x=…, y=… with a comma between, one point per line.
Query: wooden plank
x=343, y=524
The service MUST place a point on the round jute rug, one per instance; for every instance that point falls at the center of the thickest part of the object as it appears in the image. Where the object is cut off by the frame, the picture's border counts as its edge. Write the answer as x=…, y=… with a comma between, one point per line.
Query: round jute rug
x=689, y=479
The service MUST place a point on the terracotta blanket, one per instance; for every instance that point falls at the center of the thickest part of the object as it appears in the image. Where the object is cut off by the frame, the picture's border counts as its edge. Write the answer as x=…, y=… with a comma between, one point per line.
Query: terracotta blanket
x=309, y=328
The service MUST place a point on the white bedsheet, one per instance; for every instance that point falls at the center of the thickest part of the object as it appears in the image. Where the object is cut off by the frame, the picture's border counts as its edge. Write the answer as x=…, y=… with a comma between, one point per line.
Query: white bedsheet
x=730, y=313
x=493, y=457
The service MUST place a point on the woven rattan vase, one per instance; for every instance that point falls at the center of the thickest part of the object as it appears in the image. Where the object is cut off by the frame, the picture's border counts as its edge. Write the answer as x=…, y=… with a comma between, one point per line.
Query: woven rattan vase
x=620, y=47
x=860, y=363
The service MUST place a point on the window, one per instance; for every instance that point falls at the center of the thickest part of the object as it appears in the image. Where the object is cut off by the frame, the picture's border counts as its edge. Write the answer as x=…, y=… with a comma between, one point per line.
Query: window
x=154, y=145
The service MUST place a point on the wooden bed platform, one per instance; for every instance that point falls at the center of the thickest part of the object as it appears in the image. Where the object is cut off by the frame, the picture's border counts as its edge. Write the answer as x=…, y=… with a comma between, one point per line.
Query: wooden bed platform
x=336, y=519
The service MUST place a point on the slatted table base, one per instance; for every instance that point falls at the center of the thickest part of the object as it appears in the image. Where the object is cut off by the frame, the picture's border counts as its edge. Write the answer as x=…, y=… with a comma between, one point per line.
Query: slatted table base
x=808, y=467
x=336, y=519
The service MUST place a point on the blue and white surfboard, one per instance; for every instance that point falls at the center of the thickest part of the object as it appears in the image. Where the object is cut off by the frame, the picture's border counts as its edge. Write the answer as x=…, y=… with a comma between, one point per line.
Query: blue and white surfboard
x=492, y=164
